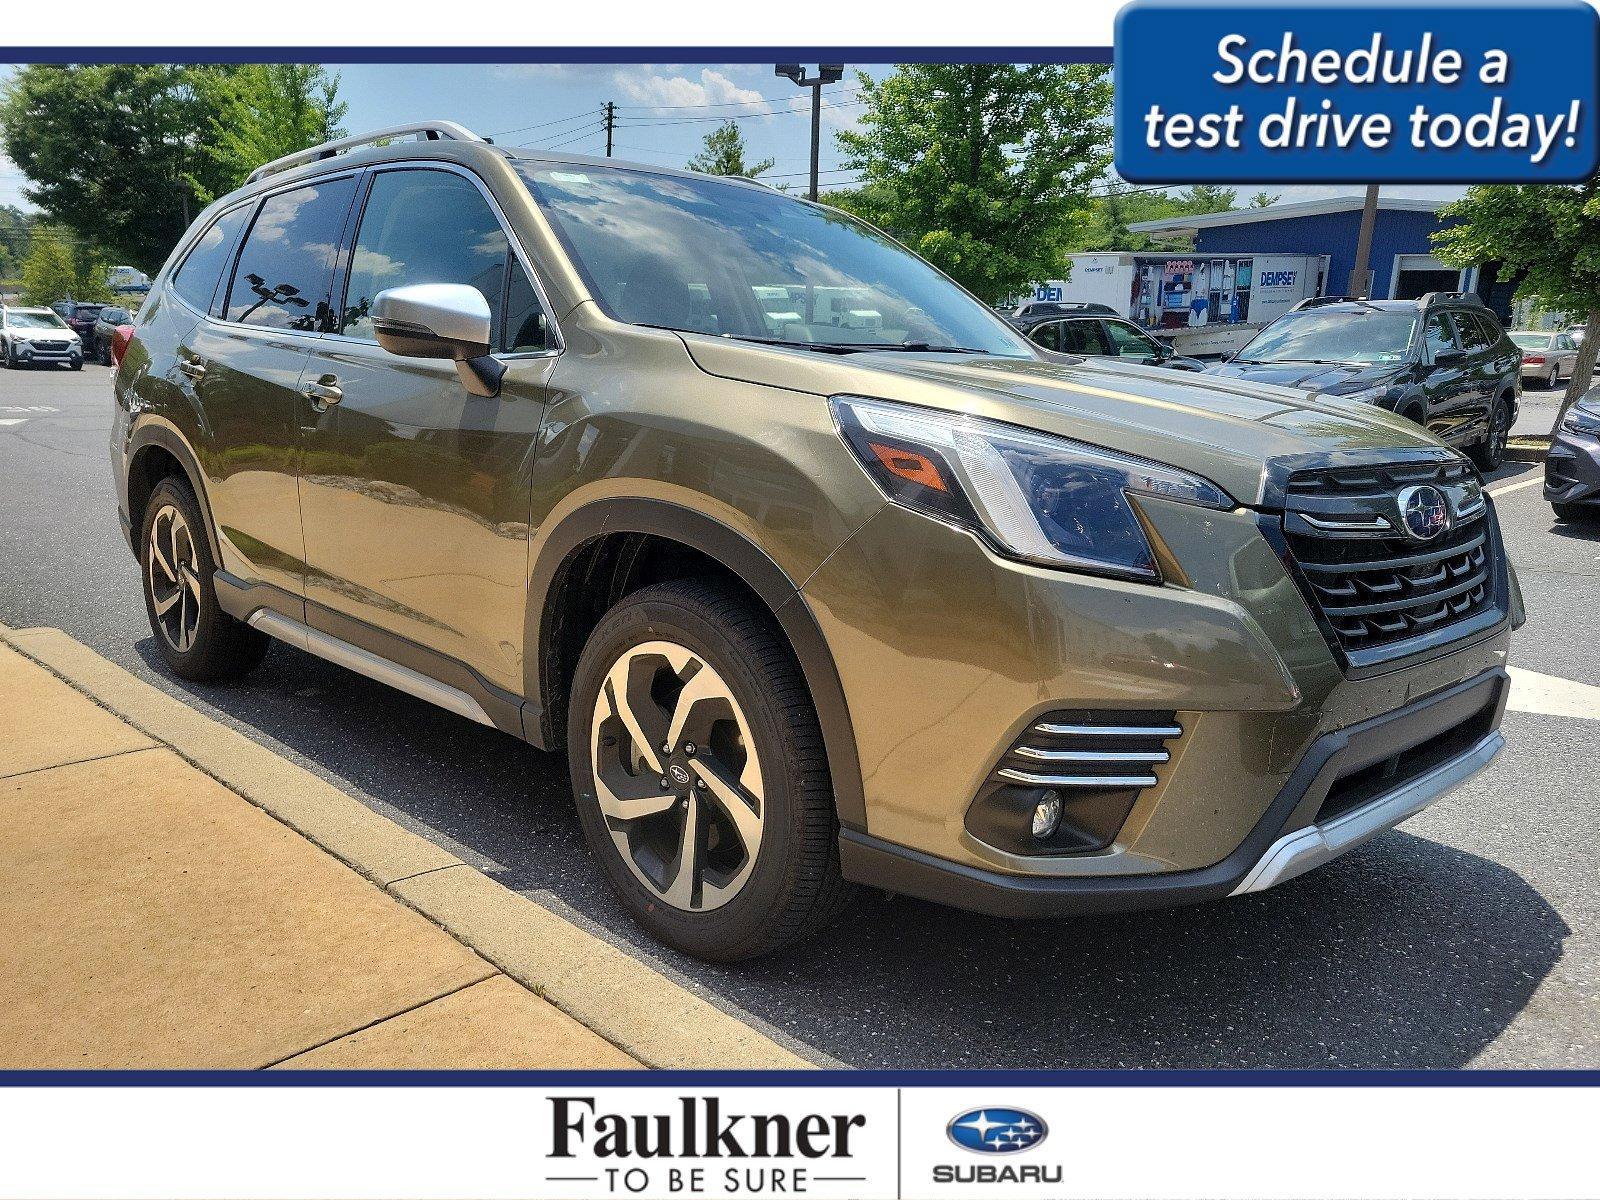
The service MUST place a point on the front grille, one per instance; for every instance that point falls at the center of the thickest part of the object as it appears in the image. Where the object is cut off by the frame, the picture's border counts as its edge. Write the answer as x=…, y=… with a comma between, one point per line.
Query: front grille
x=1374, y=585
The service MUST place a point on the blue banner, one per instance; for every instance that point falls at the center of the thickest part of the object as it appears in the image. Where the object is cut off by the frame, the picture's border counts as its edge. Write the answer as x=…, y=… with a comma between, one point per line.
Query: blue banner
x=1357, y=92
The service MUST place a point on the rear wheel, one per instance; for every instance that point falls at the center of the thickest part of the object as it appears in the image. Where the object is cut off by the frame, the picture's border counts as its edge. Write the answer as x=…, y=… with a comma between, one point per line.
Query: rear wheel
x=196, y=638
x=1555, y=378
x=1491, y=451
x=699, y=770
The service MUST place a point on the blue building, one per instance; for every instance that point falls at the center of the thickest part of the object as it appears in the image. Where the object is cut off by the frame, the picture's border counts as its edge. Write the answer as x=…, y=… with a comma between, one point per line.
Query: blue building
x=1401, y=265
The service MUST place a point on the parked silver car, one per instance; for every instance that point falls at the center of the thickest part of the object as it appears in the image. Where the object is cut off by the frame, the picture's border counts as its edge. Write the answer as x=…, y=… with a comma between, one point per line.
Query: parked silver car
x=37, y=335
x=1546, y=356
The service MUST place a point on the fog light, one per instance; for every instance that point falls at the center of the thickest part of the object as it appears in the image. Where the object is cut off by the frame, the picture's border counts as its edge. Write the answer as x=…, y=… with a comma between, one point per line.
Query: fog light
x=1047, y=815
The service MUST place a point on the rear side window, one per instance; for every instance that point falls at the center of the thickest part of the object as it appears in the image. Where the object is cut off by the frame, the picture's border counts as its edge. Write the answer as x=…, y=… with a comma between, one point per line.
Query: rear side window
x=285, y=269
x=423, y=226
x=196, y=279
x=1474, y=334
x=1440, y=336
x=1048, y=335
x=1084, y=337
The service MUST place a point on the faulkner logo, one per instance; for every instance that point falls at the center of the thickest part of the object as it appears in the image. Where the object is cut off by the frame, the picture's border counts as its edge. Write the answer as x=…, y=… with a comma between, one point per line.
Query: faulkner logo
x=644, y=1152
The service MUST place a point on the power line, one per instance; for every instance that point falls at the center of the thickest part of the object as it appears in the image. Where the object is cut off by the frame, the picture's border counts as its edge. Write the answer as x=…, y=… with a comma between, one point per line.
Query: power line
x=804, y=110
x=730, y=103
x=542, y=124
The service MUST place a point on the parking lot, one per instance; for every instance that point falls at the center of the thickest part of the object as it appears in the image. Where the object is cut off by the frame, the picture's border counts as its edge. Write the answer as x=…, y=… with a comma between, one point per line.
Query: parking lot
x=1469, y=937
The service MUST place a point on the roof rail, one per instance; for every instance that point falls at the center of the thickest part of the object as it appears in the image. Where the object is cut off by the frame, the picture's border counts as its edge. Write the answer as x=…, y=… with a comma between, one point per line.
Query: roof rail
x=423, y=131
x=1319, y=301
x=1431, y=298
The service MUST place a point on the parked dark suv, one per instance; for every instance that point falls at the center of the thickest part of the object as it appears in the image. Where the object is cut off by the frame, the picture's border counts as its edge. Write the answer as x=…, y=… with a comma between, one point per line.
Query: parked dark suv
x=1102, y=335
x=1442, y=361
x=816, y=570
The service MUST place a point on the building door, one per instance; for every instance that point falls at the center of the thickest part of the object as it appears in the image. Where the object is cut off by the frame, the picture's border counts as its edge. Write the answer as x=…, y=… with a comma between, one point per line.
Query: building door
x=1418, y=274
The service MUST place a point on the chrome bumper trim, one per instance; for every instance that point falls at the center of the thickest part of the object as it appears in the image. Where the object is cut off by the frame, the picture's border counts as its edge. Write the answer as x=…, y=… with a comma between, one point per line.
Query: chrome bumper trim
x=1298, y=852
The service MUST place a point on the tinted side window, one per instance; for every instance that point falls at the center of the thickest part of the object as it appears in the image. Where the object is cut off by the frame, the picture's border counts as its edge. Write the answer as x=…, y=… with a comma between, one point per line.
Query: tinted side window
x=1440, y=336
x=1127, y=342
x=1474, y=337
x=285, y=269
x=1048, y=335
x=196, y=279
x=424, y=226
x=526, y=327
x=1083, y=337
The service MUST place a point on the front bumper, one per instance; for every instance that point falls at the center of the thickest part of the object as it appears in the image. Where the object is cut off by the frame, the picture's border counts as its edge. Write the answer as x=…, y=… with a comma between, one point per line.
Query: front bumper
x=1572, y=469
x=1351, y=785
x=30, y=353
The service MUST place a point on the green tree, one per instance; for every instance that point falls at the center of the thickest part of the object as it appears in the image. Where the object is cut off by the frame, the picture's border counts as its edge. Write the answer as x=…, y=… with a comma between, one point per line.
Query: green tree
x=1208, y=198
x=259, y=112
x=110, y=151
x=1264, y=200
x=724, y=152
x=1547, y=233
x=53, y=270
x=982, y=168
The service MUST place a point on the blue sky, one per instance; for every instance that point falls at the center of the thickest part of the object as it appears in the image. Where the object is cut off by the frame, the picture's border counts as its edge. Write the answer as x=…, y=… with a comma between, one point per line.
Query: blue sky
x=663, y=111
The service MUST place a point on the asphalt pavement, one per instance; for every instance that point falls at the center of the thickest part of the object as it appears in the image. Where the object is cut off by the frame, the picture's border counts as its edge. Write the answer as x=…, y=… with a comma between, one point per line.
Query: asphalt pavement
x=1471, y=936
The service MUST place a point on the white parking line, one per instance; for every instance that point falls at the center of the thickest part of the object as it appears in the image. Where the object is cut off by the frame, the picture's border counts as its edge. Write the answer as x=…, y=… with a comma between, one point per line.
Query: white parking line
x=1507, y=488
x=1553, y=696
x=13, y=420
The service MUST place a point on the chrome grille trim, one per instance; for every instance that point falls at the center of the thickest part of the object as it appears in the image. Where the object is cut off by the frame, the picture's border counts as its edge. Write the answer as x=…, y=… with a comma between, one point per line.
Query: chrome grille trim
x=1093, y=756
x=1113, y=731
x=1076, y=781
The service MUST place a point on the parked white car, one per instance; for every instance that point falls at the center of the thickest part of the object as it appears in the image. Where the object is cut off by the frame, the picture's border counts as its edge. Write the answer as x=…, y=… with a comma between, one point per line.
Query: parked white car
x=37, y=335
x=1546, y=356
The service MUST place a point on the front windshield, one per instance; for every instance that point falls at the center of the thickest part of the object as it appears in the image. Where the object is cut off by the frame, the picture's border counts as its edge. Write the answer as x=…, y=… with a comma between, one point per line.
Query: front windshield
x=35, y=320
x=706, y=256
x=1366, y=335
x=1530, y=341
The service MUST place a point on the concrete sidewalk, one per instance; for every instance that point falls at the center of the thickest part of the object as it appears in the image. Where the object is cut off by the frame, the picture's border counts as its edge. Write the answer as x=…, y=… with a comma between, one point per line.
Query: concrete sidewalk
x=152, y=917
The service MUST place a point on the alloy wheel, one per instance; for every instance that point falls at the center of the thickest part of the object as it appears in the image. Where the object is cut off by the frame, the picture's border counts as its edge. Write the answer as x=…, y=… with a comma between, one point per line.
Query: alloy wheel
x=172, y=569
x=677, y=776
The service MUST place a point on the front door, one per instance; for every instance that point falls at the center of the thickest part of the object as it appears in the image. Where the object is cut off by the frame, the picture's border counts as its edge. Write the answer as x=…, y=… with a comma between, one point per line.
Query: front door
x=245, y=369
x=414, y=492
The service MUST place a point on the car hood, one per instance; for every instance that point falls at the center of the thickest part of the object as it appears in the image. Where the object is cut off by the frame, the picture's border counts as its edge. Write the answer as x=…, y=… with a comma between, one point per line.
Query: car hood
x=1243, y=436
x=1335, y=378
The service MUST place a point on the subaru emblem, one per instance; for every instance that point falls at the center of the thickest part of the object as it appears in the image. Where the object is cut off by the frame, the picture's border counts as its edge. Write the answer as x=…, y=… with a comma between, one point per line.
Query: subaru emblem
x=997, y=1130
x=1424, y=511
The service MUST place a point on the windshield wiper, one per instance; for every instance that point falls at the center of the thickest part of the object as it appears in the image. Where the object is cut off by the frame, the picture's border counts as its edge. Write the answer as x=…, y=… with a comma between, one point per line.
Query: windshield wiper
x=915, y=347
x=824, y=347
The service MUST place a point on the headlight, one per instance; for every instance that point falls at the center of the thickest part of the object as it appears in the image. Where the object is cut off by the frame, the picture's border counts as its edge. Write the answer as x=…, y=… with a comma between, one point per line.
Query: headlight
x=1582, y=419
x=1034, y=497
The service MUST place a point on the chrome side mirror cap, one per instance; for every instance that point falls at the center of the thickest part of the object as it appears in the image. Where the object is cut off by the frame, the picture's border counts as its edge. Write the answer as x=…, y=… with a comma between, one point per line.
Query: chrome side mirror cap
x=440, y=320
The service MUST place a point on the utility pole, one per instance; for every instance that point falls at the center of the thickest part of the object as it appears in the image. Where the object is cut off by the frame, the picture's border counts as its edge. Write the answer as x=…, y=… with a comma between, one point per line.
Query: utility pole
x=1358, y=274
x=611, y=123
x=826, y=73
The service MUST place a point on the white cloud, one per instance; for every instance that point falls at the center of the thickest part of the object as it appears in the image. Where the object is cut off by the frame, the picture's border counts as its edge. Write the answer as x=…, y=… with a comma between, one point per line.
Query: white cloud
x=678, y=91
x=567, y=71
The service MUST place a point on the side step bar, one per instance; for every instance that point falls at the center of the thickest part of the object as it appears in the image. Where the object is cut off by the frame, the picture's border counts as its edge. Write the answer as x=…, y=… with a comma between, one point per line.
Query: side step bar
x=364, y=662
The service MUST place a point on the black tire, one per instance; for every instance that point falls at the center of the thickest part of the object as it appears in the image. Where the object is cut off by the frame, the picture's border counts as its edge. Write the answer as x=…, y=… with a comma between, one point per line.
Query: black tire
x=77, y=364
x=793, y=887
x=1415, y=415
x=1490, y=453
x=1555, y=379
x=219, y=647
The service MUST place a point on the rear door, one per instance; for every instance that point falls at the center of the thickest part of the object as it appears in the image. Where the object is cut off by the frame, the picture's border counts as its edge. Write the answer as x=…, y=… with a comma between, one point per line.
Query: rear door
x=415, y=492
x=1447, y=385
x=244, y=366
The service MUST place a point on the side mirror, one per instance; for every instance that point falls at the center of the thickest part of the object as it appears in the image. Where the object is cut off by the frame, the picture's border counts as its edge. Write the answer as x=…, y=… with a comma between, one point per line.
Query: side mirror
x=440, y=320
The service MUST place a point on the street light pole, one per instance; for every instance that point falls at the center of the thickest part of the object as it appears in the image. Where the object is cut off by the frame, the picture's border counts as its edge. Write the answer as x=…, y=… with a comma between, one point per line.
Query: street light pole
x=826, y=73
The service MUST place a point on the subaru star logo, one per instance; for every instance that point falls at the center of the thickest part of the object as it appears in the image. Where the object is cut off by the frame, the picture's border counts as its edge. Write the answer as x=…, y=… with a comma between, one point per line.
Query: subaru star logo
x=678, y=773
x=1424, y=511
x=996, y=1130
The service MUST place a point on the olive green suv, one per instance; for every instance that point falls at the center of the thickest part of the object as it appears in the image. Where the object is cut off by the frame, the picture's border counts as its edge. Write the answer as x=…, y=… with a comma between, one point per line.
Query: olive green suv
x=819, y=573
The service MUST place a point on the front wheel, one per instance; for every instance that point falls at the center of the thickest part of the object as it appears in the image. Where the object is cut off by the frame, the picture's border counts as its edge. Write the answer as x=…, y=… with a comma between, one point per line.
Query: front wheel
x=1555, y=379
x=1490, y=453
x=700, y=775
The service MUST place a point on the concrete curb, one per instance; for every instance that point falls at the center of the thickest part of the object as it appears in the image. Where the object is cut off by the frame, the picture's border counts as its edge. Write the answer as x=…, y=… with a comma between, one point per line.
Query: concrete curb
x=654, y=1019
x=1527, y=449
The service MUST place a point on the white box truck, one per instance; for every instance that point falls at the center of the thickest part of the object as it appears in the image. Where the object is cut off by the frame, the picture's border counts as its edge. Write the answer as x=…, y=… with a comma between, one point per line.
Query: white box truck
x=1205, y=305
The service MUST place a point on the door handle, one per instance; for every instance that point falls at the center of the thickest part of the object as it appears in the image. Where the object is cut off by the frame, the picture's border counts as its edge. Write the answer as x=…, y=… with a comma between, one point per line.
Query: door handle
x=193, y=368
x=323, y=392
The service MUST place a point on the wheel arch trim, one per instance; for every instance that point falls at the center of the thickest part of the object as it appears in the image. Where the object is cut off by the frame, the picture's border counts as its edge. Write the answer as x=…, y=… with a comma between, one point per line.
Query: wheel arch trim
x=156, y=434
x=707, y=535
